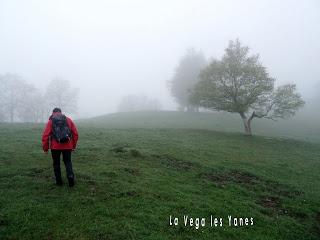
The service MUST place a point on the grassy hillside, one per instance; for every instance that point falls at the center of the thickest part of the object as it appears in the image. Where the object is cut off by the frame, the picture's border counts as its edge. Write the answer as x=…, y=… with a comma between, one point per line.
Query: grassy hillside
x=299, y=127
x=130, y=180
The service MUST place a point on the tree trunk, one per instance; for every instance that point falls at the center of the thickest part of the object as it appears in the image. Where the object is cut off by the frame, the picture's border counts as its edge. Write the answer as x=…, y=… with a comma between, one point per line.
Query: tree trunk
x=249, y=126
x=11, y=114
x=246, y=124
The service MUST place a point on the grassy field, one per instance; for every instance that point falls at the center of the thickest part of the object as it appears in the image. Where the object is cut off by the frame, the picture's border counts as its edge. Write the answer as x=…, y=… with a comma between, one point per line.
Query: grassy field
x=135, y=170
x=302, y=127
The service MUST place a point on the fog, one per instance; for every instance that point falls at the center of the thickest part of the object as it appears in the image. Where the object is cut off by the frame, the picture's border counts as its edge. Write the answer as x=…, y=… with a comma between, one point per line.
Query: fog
x=110, y=49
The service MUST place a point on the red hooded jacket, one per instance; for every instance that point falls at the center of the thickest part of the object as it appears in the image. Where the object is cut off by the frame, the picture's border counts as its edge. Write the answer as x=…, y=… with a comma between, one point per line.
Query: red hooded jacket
x=49, y=142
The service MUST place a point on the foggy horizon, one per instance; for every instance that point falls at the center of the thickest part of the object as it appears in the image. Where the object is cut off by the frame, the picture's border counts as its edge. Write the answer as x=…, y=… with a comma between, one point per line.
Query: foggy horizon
x=111, y=49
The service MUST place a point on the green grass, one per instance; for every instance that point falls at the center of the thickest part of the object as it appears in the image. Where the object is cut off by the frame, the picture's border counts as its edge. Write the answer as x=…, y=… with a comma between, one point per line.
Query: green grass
x=304, y=126
x=130, y=179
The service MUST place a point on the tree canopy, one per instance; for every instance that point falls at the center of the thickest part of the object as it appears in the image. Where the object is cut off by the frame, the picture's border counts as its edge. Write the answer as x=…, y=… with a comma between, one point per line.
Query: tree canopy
x=60, y=94
x=19, y=100
x=239, y=83
x=185, y=77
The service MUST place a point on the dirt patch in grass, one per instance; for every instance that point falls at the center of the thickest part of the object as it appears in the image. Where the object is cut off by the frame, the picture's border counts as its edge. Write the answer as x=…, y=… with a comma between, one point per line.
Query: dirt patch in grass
x=131, y=193
x=233, y=176
x=135, y=153
x=270, y=202
x=119, y=149
x=133, y=171
x=273, y=206
x=173, y=162
x=125, y=151
x=243, y=177
x=273, y=193
x=125, y=194
x=251, y=182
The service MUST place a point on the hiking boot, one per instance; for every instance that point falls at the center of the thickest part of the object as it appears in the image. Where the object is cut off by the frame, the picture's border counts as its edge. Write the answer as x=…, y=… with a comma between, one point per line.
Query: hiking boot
x=59, y=183
x=71, y=182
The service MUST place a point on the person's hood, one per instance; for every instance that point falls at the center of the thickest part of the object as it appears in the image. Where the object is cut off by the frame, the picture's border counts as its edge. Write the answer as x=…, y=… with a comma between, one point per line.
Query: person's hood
x=54, y=114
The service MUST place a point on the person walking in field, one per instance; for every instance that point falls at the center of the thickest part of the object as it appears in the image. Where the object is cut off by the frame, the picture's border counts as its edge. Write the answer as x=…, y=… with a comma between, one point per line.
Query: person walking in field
x=61, y=136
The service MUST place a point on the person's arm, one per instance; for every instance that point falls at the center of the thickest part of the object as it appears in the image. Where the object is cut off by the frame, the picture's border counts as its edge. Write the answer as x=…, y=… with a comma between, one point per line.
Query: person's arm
x=45, y=136
x=75, y=134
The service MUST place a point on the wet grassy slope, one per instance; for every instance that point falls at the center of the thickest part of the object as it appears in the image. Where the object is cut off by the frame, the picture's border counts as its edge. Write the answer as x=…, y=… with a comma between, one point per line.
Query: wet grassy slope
x=130, y=180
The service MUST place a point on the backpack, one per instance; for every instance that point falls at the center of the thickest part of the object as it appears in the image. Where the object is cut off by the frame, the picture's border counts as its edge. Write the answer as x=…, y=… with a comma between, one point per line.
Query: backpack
x=60, y=128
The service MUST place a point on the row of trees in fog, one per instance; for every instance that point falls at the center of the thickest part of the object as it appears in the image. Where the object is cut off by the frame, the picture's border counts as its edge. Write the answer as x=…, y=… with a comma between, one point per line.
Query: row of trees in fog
x=185, y=77
x=236, y=83
x=22, y=101
x=132, y=103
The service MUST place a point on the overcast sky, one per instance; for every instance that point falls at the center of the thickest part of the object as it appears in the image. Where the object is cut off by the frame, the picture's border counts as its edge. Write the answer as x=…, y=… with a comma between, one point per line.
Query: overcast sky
x=109, y=49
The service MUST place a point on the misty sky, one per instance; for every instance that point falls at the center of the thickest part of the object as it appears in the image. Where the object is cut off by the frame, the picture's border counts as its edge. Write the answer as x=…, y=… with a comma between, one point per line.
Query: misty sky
x=109, y=49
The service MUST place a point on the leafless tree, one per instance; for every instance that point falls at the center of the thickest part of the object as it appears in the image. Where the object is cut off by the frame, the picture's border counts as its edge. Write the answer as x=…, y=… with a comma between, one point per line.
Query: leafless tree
x=138, y=103
x=59, y=93
x=12, y=92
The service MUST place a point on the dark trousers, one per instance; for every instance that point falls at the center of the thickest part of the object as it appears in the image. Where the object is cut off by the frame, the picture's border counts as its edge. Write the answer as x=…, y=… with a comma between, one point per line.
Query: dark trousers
x=66, y=154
